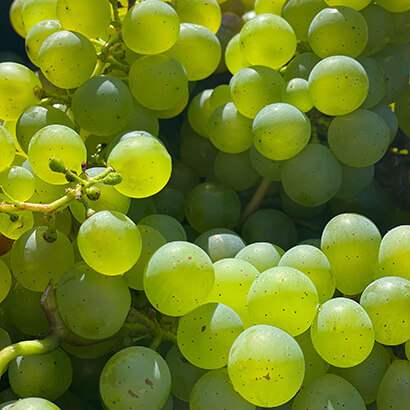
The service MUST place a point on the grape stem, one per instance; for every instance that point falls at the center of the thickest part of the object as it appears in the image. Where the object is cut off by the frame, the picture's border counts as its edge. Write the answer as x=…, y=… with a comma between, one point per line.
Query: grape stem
x=117, y=19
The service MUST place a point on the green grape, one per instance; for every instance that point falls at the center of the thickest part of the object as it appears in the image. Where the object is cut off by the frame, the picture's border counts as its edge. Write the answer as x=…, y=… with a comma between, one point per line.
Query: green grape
x=5, y=281
x=342, y=333
x=10, y=127
x=220, y=95
x=393, y=392
x=402, y=108
x=158, y=82
x=283, y=297
x=141, y=208
x=169, y=404
x=50, y=383
x=220, y=243
x=261, y=255
x=170, y=201
x=314, y=264
x=255, y=87
x=377, y=80
x=313, y=242
x=329, y=391
x=174, y=111
x=389, y=117
x=34, y=11
x=338, y=85
x=354, y=180
x=301, y=66
x=63, y=220
x=93, y=351
x=144, y=165
x=135, y=378
x=34, y=403
x=351, y=244
x=102, y=105
x=205, y=60
x=211, y=205
x=182, y=178
x=70, y=400
x=36, y=36
x=299, y=14
x=280, y=131
x=13, y=225
x=92, y=305
x=366, y=376
x=15, y=17
x=169, y=282
x=407, y=349
x=206, y=334
x=269, y=6
x=206, y=13
x=266, y=366
x=296, y=93
x=67, y=59
x=60, y=142
x=265, y=167
x=235, y=171
x=184, y=375
x=18, y=182
x=199, y=112
x=166, y=225
x=268, y=40
x=234, y=59
x=400, y=28
x=4, y=336
x=292, y=208
x=88, y=17
x=214, y=391
x=229, y=130
x=387, y=302
x=395, y=6
x=36, y=117
x=18, y=84
x=354, y=4
x=142, y=119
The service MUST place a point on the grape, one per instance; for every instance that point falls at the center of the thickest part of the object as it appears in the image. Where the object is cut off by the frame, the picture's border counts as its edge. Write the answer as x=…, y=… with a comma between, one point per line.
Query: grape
x=34, y=11
x=13, y=225
x=393, y=392
x=266, y=366
x=329, y=391
x=178, y=278
x=269, y=6
x=166, y=225
x=60, y=142
x=15, y=17
x=265, y=167
x=144, y=165
x=354, y=4
x=175, y=110
x=214, y=391
x=313, y=176
x=92, y=305
x=100, y=349
x=389, y=117
x=34, y=403
x=171, y=202
x=211, y=205
x=102, y=105
x=268, y=40
x=140, y=208
x=296, y=93
x=158, y=82
x=400, y=30
x=402, y=109
x=182, y=178
x=301, y=66
x=366, y=376
x=67, y=59
x=5, y=281
x=220, y=95
x=314, y=264
x=199, y=112
x=4, y=336
x=354, y=180
x=19, y=84
x=135, y=378
x=395, y=6
x=338, y=85
x=234, y=58
x=261, y=255
x=342, y=333
x=142, y=119
x=18, y=182
x=292, y=208
x=283, y=297
x=255, y=87
x=88, y=17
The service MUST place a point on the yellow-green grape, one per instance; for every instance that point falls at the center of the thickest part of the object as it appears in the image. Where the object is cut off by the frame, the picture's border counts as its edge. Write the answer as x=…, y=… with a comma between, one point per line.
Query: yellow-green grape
x=280, y=131
x=152, y=240
x=301, y=66
x=53, y=380
x=205, y=60
x=34, y=403
x=214, y=391
x=34, y=11
x=150, y=27
x=366, y=376
x=266, y=366
x=5, y=339
x=351, y=244
x=268, y=40
x=402, y=109
x=377, y=81
x=206, y=13
x=234, y=58
x=342, y=333
x=220, y=95
x=166, y=225
x=158, y=82
x=389, y=116
x=354, y=4
x=135, y=378
x=314, y=264
x=283, y=297
x=265, y=167
x=400, y=30
x=5, y=280
x=255, y=87
x=116, y=231
x=395, y=6
x=199, y=112
x=36, y=36
x=206, y=334
x=394, y=253
x=144, y=165
x=407, y=349
x=18, y=86
x=174, y=111
x=338, y=85
x=394, y=393
x=387, y=302
x=15, y=17
x=88, y=17
x=92, y=305
x=261, y=255
x=142, y=119
x=329, y=391
x=10, y=126
x=296, y=93
x=67, y=59
x=63, y=220
x=7, y=149
x=269, y=6
x=171, y=201
x=13, y=225
x=354, y=180
x=229, y=130
x=18, y=182
x=169, y=282
x=60, y=142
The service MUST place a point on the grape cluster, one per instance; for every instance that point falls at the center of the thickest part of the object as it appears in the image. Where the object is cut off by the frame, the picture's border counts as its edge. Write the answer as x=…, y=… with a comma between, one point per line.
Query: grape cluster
x=193, y=212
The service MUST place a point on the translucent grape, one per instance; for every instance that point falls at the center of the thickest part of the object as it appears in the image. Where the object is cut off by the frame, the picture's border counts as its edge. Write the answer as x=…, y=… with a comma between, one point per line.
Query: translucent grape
x=269, y=6
x=199, y=112
x=220, y=95
x=5, y=281
x=34, y=403
x=34, y=11
x=13, y=225
x=92, y=305
x=377, y=81
x=175, y=110
x=265, y=167
x=234, y=58
x=261, y=255
x=296, y=93
x=354, y=180
x=166, y=225
x=171, y=201
x=142, y=119
x=389, y=117
x=18, y=182
x=301, y=66
x=15, y=17
x=354, y=4
x=395, y=6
